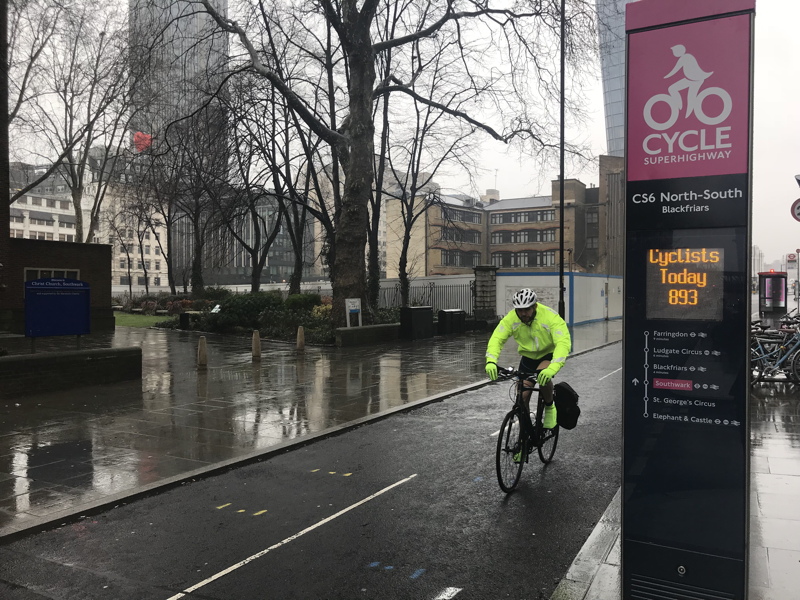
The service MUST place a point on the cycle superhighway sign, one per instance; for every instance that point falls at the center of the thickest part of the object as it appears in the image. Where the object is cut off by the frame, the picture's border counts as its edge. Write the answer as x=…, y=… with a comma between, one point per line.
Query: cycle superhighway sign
x=688, y=213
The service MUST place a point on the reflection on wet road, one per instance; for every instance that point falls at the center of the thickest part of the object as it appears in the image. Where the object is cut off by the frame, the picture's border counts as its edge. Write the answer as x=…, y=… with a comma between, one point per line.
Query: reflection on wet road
x=65, y=451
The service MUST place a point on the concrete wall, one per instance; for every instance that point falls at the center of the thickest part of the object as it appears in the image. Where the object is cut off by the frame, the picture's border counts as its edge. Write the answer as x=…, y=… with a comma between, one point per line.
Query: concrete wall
x=585, y=296
x=26, y=374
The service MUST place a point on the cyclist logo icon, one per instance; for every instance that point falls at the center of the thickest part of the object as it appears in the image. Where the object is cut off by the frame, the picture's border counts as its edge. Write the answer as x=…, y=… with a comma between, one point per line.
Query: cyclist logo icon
x=693, y=79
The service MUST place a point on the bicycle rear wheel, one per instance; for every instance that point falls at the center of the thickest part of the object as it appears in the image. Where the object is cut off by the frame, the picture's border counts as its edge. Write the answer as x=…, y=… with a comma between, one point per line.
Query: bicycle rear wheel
x=549, y=439
x=510, y=443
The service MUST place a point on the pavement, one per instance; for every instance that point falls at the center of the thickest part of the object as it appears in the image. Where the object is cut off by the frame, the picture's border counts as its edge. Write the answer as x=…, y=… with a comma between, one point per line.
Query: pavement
x=69, y=453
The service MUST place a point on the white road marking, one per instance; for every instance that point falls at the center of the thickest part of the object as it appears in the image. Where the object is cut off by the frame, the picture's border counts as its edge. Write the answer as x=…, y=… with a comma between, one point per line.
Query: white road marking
x=610, y=374
x=257, y=555
x=448, y=593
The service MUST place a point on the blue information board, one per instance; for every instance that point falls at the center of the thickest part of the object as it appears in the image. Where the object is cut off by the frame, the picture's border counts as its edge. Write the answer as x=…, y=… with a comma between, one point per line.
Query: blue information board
x=57, y=307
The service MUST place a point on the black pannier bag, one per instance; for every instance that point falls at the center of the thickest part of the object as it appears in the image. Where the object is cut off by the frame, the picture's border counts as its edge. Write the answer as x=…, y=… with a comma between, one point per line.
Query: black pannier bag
x=567, y=409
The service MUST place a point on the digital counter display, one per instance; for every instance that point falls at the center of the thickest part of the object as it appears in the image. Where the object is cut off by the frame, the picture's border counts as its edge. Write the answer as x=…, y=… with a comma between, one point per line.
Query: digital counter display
x=685, y=283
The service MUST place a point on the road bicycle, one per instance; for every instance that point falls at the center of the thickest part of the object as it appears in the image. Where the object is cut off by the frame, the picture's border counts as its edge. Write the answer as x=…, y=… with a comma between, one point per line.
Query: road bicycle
x=518, y=434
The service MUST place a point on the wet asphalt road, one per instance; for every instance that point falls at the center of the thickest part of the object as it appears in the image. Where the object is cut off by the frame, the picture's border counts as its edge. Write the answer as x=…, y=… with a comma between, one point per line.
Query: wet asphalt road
x=325, y=522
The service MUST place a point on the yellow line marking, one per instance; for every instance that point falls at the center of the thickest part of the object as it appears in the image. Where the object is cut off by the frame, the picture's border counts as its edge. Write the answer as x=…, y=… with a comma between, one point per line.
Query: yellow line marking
x=224, y=505
x=331, y=472
x=261, y=512
x=240, y=511
x=347, y=475
x=314, y=470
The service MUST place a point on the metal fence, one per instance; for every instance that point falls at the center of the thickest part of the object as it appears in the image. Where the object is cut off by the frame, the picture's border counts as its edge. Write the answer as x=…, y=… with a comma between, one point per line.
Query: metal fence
x=440, y=296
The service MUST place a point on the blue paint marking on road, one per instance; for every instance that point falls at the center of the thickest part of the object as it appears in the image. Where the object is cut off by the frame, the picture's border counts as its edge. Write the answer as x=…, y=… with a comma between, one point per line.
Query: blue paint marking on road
x=375, y=564
x=418, y=573
x=388, y=568
x=478, y=479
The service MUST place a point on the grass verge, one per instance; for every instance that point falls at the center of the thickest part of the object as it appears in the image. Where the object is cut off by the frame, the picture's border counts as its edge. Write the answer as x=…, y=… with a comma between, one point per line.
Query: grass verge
x=122, y=319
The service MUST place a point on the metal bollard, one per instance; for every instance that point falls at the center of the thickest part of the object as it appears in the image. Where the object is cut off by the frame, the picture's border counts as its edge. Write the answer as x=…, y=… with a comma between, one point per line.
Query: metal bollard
x=256, y=346
x=301, y=338
x=202, y=353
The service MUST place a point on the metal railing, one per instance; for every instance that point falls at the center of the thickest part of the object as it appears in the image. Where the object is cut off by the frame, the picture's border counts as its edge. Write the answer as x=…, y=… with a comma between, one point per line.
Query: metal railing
x=438, y=296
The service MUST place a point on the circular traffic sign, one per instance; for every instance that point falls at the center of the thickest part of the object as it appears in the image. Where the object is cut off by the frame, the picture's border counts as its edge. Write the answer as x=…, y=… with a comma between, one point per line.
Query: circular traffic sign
x=796, y=210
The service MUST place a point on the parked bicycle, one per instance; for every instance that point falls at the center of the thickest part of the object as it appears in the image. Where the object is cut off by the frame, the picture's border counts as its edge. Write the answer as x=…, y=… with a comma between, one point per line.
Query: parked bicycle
x=518, y=434
x=775, y=352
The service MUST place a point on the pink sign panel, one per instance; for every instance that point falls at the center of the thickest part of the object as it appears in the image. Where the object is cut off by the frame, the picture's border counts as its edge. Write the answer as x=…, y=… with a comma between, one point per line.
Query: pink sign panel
x=684, y=385
x=688, y=100
x=650, y=13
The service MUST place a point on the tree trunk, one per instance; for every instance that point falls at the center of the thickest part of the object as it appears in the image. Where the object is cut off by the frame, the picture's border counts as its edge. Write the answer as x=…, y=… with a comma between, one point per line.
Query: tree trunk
x=255, y=274
x=348, y=270
x=297, y=274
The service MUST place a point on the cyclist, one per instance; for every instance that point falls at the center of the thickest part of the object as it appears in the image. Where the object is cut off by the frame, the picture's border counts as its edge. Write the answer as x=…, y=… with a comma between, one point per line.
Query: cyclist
x=543, y=342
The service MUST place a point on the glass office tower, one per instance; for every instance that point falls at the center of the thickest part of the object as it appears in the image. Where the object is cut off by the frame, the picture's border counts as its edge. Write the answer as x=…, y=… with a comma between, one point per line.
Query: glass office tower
x=611, y=32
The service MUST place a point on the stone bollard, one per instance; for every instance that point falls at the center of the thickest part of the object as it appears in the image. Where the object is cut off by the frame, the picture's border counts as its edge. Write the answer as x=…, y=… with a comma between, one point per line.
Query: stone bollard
x=202, y=353
x=301, y=338
x=256, y=345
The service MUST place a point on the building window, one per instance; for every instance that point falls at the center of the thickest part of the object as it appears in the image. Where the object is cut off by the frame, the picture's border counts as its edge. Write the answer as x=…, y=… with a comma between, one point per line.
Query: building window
x=139, y=264
x=546, y=235
x=65, y=205
x=157, y=281
x=158, y=251
x=158, y=265
x=141, y=281
x=41, y=222
x=147, y=236
x=51, y=203
x=22, y=200
x=147, y=249
x=451, y=258
x=36, y=201
x=593, y=242
x=124, y=280
x=122, y=263
x=58, y=273
x=592, y=216
x=68, y=225
x=502, y=259
x=66, y=237
x=17, y=219
x=451, y=234
x=147, y=264
x=462, y=216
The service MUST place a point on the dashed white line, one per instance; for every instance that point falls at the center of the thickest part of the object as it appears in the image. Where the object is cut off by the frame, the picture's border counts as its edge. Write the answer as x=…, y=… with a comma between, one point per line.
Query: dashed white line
x=610, y=374
x=249, y=559
x=448, y=593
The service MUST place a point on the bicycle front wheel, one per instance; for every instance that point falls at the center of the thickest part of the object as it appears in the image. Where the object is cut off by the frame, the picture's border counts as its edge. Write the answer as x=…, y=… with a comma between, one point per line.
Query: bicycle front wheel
x=512, y=452
x=547, y=448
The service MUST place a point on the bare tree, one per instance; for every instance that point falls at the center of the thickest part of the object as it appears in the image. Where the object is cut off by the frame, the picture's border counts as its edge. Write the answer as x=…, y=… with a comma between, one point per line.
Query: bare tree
x=77, y=119
x=508, y=57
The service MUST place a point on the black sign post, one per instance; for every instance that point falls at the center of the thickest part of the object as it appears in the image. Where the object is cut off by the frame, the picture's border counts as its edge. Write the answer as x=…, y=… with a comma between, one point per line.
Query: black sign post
x=687, y=283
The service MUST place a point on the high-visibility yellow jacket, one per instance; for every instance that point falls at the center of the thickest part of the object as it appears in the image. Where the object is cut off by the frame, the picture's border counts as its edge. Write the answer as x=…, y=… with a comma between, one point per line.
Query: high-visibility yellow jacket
x=547, y=333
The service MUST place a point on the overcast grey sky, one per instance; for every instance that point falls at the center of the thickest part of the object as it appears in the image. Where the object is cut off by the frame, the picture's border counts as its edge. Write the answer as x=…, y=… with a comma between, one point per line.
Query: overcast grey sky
x=776, y=136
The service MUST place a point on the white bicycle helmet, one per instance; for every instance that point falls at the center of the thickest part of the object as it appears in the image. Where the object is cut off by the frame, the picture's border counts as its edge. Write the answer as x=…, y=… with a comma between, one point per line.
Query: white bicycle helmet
x=524, y=298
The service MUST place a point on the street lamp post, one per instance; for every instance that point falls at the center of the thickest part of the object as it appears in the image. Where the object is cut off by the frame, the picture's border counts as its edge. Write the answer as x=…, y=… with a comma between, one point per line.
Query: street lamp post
x=561, y=308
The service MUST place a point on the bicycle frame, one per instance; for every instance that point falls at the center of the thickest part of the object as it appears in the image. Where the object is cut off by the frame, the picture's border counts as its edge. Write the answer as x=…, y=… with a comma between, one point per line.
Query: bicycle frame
x=519, y=435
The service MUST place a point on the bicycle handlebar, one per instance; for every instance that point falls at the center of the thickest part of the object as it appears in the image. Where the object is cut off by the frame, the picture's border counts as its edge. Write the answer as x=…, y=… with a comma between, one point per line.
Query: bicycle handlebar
x=509, y=372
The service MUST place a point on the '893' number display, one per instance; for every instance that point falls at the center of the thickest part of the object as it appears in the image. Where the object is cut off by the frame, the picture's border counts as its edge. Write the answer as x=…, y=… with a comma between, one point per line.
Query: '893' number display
x=685, y=283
